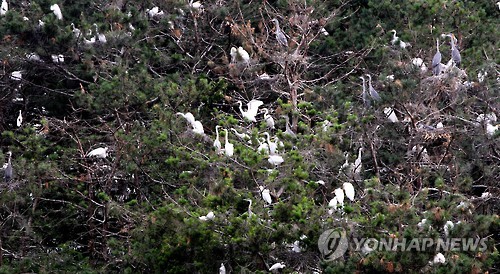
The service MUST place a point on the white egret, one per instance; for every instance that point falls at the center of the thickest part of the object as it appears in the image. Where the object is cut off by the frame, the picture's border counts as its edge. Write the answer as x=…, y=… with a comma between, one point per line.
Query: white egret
x=275, y=160
x=249, y=207
x=57, y=11
x=391, y=115
x=4, y=8
x=242, y=136
x=155, y=11
x=280, y=35
x=266, y=195
x=339, y=194
x=101, y=152
x=253, y=107
x=324, y=32
x=217, y=143
x=273, y=146
x=228, y=147
x=357, y=163
x=198, y=128
x=16, y=75
x=209, y=216
x=57, y=58
x=277, y=266
x=395, y=38
x=222, y=269
x=320, y=182
x=349, y=191
x=89, y=41
x=99, y=36
x=33, y=57
x=41, y=23
x=239, y=55
x=76, y=31
x=421, y=224
x=8, y=168
x=438, y=259
x=373, y=92
x=491, y=129
x=296, y=247
x=195, y=5
x=439, y=125
x=333, y=205
x=419, y=63
x=268, y=118
x=188, y=116
x=263, y=146
x=447, y=227
x=19, y=121
x=436, y=61
x=288, y=130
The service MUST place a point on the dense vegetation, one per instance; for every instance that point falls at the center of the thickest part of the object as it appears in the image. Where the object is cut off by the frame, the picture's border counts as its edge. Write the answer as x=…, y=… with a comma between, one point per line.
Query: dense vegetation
x=138, y=210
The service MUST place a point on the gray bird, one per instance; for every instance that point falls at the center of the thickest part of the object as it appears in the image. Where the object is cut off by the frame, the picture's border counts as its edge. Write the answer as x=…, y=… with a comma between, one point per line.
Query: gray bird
x=8, y=168
x=455, y=54
x=436, y=61
x=373, y=92
x=280, y=35
x=364, y=95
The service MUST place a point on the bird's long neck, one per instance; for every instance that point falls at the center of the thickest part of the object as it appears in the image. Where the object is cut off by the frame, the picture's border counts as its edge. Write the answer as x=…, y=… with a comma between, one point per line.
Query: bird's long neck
x=241, y=106
x=268, y=139
x=227, y=135
x=437, y=44
x=217, y=132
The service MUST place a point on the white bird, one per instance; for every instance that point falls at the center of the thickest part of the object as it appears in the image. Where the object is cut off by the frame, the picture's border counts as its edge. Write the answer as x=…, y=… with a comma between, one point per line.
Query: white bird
x=228, y=147
x=249, y=206
x=57, y=58
x=57, y=11
x=273, y=146
x=339, y=194
x=155, y=11
x=296, y=247
x=217, y=143
x=253, y=108
x=209, y=216
x=19, y=119
x=195, y=5
x=447, y=227
x=266, y=195
x=391, y=115
x=198, y=128
x=333, y=205
x=320, y=182
x=33, y=57
x=419, y=63
x=188, y=116
x=222, y=269
x=16, y=75
x=395, y=38
x=324, y=32
x=242, y=136
x=357, y=163
x=349, y=191
x=76, y=31
x=439, y=125
x=4, y=8
x=277, y=266
x=491, y=129
x=275, y=160
x=239, y=55
x=99, y=36
x=288, y=129
x=421, y=224
x=268, y=118
x=280, y=35
x=41, y=23
x=438, y=259
x=101, y=152
x=263, y=146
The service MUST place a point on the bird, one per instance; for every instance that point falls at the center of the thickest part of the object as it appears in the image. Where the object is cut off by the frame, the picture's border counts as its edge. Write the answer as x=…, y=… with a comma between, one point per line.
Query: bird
x=76, y=32
x=101, y=152
x=57, y=58
x=268, y=118
x=436, y=60
x=217, y=143
x=242, y=136
x=280, y=35
x=99, y=36
x=339, y=194
x=33, y=57
x=222, y=269
x=266, y=195
x=364, y=95
x=438, y=259
x=263, y=146
x=253, y=107
x=373, y=92
x=455, y=53
x=239, y=55
x=155, y=11
x=57, y=11
x=419, y=63
x=16, y=75
x=447, y=227
x=19, y=121
x=188, y=116
x=198, y=128
x=357, y=162
x=288, y=130
x=4, y=8
x=421, y=224
x=228, y=147
x=250, y=213
x=8, y=168
x=391, y=114
x=333, y=205
x=395, y=38
x=209, y=216
x=273, y=146
x=349, y=191
x=277, y=266
x=275, y=160
x=195, y=5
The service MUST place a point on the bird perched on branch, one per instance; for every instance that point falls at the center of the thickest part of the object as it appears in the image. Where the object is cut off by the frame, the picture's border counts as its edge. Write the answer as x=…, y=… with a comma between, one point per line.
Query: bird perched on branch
x=280, y=35
x=436, y=61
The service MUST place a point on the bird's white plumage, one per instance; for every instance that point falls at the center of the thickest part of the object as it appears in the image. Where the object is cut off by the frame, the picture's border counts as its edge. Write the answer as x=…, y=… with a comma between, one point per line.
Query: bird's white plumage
x=4, y=8
x=277, y=266
x=217, y=143
x=101, y=152
x=275, y=160
x=339, y=194
x=268, y=118
x=222, y=269
x=439, y=259
x=266, y=195
x=349, y=191
x=57, y=11
x=19, y=121
x=357, y=163
x=391, y=115
x=228, y=147
x=16, y=75
x=198, y=128
x=252, y=109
